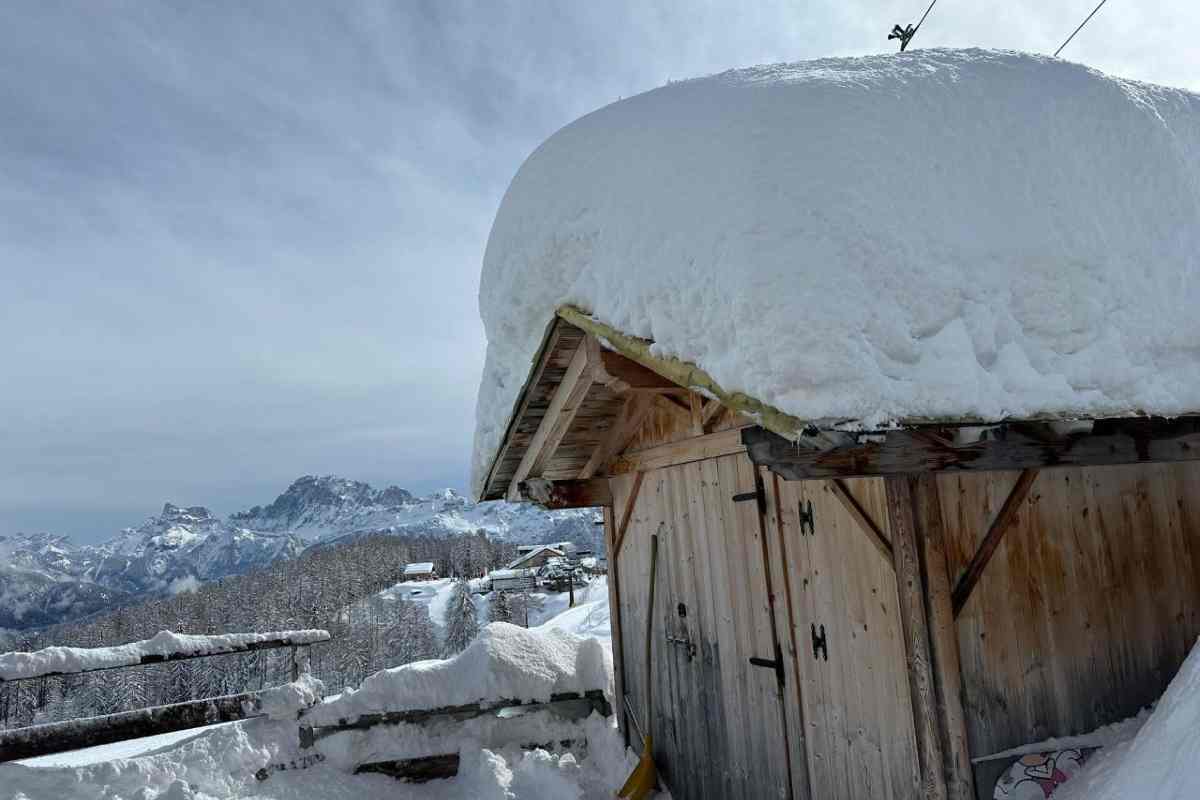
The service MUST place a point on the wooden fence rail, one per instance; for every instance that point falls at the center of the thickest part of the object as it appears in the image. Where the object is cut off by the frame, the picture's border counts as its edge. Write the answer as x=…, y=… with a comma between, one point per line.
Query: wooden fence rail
x=58, y=737
x=157, y=658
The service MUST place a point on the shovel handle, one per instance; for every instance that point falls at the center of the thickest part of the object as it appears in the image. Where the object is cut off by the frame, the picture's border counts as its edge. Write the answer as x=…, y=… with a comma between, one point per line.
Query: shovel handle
x=649, y=627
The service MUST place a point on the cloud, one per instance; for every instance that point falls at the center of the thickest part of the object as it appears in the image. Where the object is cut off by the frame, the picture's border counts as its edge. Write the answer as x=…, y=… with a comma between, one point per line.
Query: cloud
x=241, y=242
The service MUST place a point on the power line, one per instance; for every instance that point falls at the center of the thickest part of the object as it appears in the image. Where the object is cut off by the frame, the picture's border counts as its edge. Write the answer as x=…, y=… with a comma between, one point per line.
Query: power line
x=1077, y=30
x=906, y=34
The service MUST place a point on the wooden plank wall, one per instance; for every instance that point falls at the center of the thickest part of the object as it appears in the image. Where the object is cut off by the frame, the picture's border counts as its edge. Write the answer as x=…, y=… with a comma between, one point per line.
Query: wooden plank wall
x=1089, y=605
x=717, y=724
x=854, y=708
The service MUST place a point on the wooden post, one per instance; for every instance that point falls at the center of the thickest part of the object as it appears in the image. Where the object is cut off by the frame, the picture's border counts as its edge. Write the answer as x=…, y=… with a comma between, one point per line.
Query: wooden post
x=614, y=603
x=913, y=622
x=943, y=635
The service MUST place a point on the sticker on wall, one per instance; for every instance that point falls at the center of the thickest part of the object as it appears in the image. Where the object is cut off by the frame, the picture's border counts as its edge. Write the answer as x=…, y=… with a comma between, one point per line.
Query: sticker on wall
x=1037, y=775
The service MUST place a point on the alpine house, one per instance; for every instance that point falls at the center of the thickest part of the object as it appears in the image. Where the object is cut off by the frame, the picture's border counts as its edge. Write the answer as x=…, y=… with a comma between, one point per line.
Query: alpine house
x=898, y=360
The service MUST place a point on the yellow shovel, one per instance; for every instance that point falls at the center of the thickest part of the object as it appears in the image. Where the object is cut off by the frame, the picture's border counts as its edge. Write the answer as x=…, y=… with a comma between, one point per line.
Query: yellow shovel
x=644, y=778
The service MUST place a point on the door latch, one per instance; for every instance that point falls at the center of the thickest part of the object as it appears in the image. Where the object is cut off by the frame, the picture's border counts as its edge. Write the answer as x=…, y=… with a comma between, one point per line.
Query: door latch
x=684, y=642
x=806, y=518
x=775, y=663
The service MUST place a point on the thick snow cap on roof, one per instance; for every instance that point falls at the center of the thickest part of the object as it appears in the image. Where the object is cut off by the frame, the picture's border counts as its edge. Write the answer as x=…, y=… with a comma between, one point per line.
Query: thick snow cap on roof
x=939, y=234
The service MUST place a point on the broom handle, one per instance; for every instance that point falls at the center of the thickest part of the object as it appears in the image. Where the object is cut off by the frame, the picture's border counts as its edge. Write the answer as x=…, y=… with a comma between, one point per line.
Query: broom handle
x=649, y=624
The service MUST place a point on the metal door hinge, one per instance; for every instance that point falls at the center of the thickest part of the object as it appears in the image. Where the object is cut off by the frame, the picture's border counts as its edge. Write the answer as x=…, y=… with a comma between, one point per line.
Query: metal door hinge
x=820, y=643
x=759, y=494
x=806, y=518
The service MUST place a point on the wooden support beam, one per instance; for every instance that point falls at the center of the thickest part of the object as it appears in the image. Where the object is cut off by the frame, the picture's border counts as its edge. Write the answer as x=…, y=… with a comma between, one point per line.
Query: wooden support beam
x=863, y=519
x=943, y=639
x=987, y=548
x=588, y=493
x=622, y=374
x=696, y=411
x=568, y=397
x=636, y=411
x=675, y=407
x=626, y=515
x=685, y=451
x=1005, y=447
x=712, y=410
x=59, y=737
x=914, y=625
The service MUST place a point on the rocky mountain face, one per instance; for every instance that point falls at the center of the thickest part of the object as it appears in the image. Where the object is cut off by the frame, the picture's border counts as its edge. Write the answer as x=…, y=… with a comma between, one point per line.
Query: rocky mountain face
x=326, y=508
x=46, y=579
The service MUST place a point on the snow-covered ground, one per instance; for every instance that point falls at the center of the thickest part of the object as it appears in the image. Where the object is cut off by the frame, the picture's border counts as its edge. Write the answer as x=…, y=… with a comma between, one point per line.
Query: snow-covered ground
x=569, y=651
x=543, y=606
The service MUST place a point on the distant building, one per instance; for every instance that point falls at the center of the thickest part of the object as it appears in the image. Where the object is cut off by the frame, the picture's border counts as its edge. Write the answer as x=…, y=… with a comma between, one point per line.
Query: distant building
x=566, y=548
x=536, y=557
x=420, y=571
x=508, y=580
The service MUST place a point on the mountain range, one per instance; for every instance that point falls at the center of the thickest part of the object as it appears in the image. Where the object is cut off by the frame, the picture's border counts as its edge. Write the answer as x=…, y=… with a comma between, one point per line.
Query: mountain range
x=46, y=579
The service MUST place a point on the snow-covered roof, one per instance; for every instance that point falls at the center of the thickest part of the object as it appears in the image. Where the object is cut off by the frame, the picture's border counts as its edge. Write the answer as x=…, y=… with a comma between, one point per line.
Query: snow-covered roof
x=934, y=235
x=532, y=554
x=419, y=568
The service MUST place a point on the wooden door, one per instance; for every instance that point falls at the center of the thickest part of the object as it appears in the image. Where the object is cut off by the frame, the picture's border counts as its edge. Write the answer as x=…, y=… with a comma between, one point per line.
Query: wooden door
x=847, y=695
x=718, y=721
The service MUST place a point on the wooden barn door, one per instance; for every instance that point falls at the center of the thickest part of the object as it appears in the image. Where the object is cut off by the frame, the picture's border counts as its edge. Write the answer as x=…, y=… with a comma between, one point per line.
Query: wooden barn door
x=718, y=720
x=847, y=690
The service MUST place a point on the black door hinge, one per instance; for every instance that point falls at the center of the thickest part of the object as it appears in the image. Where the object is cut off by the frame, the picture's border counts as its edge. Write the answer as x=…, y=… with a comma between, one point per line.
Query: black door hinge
x=759, y=494
x=771, y=663
x=820, y=643
x=806, y=518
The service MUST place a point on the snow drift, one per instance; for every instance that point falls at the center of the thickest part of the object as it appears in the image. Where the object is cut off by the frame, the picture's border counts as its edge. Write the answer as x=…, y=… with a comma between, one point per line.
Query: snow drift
x=505, y=662
x=936, y=234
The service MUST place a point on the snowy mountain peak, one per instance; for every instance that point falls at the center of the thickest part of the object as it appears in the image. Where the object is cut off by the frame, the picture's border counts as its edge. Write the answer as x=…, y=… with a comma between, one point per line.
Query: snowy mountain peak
x=192, y=514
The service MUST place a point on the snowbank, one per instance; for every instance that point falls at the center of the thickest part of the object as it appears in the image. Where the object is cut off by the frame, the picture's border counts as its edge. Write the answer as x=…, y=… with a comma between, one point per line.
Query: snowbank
x=934, y=234
x=57, y=660
x=503, y=662
x=1162, y=762
x=287, y=701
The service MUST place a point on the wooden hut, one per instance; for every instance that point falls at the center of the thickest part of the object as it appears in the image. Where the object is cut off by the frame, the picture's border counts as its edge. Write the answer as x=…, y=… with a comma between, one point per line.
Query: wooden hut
x=845, y=615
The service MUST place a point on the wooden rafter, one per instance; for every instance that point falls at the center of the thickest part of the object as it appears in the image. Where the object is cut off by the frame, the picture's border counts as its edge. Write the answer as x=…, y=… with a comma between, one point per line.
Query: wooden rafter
x=987, y=548
x=698, y=448
x=623, y=374
x=860, y=516
x=696, y=412
x=568, y=397
x=587, y=493
x=712, y=412
x=633, y=415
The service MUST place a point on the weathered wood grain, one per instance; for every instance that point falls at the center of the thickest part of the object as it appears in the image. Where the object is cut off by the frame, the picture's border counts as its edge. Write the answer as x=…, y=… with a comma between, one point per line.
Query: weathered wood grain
x=913, y=619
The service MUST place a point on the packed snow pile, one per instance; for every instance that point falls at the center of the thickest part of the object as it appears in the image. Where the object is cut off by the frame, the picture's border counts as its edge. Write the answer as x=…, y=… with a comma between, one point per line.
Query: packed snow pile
x=1160, y=762
x=59, y=660
x=938, y=234
x=287, y=701
x=505, y=662
x=260, y=759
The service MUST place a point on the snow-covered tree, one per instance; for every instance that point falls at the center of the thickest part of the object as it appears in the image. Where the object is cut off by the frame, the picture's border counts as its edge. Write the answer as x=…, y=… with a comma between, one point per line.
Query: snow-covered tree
x=499, y=607
x=461, y=621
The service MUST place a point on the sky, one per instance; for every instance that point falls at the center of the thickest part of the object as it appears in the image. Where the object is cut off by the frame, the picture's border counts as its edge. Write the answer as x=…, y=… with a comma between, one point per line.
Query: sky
x=240, y=242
